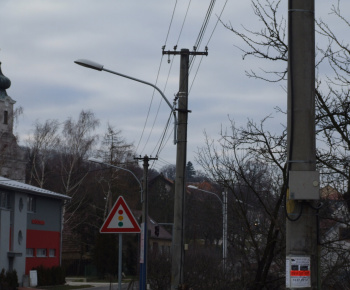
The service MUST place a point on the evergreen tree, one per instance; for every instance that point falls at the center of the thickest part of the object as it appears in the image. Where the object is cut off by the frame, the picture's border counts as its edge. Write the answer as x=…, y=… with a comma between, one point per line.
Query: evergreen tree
x=190, y=172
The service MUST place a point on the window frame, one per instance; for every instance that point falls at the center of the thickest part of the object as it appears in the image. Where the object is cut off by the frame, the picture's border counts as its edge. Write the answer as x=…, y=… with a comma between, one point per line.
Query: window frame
x=28, y=254
x=50, y=253
x=41, y=252
x=6, y=117
x=31, y=203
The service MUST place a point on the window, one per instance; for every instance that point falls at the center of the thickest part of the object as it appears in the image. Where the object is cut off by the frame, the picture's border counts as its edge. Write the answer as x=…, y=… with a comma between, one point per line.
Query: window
x=6, y=117
x=41, y=252
x=30, y=252
x=4, y=200
x=31, y=203
x=52, y=253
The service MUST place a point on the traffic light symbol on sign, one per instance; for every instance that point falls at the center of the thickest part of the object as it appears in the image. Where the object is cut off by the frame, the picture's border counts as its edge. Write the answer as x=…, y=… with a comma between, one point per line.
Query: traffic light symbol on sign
x=120, y=218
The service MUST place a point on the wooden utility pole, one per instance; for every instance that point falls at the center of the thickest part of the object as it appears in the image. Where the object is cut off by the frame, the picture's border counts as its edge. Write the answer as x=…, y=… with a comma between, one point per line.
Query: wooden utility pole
x=178, y=255
x=301, y=224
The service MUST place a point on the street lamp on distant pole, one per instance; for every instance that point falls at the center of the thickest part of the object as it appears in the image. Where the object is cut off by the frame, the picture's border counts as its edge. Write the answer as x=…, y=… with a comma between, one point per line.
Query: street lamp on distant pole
x=224, y=219
x=95, y=160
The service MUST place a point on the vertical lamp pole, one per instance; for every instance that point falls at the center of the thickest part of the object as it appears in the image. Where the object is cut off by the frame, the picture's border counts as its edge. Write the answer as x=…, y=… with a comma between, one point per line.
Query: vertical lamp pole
x=144, y=233
x=224, y=228
x=224, y=221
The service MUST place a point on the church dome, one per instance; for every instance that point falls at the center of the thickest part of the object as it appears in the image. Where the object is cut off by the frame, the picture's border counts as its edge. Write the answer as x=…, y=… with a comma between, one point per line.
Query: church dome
x=5, y=83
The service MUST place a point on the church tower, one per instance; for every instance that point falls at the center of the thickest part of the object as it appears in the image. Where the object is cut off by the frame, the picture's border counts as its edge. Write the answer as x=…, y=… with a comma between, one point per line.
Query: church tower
x=12, y=157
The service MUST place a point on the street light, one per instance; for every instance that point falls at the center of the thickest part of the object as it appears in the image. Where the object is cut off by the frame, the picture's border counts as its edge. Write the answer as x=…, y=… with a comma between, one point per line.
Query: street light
x=224, y=219
x=96, y=66
x=95, y=160
x=180, y=131
x=100, y=67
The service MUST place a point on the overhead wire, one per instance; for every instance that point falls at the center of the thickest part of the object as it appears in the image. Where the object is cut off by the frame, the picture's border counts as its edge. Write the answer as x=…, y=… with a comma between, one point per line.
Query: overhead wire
x=202, y=30
x=197, y=45
x=211, y=35
x=165, y=130
x=160, y=141
x=201, y=34
x=151, y=102
x=170, y=68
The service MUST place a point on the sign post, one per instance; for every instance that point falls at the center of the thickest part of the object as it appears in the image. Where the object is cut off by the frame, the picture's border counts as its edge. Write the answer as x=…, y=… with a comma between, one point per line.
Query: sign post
x=120, y=220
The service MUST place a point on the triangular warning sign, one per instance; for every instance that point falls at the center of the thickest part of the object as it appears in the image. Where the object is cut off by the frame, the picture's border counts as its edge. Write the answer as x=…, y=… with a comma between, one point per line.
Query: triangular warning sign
x=120, y=219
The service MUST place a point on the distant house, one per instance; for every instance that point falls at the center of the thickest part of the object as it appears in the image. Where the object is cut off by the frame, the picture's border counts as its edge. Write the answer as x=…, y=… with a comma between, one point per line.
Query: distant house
x=160, y=240
x=335, y=224
x=161, y=199
x=30, y=227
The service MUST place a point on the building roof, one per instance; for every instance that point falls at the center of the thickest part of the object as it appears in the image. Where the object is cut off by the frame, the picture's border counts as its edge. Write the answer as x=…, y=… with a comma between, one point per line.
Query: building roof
x=5, y=83
x=22, y=187
x=330, y=193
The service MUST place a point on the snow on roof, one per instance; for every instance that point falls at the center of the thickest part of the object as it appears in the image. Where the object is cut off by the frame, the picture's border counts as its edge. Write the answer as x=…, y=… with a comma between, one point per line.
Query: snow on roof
x=22, y=187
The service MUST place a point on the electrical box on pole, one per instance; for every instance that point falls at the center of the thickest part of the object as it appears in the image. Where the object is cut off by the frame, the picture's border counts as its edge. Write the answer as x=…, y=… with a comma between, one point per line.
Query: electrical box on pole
x=304, y=185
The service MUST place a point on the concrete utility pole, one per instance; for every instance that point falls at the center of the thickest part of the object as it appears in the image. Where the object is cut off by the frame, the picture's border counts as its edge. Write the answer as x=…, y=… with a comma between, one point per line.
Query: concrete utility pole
x=144, y=230
x=177, y=278
x=301, y=239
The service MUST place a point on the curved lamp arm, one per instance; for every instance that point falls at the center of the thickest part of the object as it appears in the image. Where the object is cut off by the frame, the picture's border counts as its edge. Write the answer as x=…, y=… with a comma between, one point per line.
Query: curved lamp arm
x=195, y=187
x=94, y=65
x=95, y=160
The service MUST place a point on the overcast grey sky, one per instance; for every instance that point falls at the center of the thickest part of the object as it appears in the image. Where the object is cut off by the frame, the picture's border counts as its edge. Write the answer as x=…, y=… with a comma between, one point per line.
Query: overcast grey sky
x=41, y=39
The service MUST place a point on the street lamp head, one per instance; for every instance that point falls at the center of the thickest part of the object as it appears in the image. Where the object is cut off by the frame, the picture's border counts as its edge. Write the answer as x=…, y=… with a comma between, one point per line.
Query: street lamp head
x=192, y=186
x=89, y=64
x=95, y=160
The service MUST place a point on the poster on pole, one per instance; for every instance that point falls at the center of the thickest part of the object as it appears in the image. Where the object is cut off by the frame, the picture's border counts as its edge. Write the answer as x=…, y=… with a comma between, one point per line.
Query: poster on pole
x=298, y=274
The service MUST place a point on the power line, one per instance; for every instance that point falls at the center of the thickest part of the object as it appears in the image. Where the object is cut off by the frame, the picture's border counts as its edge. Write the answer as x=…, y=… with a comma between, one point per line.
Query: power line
x=170, y=68
x=149, y=108
x=211, y=35
x=203, y=29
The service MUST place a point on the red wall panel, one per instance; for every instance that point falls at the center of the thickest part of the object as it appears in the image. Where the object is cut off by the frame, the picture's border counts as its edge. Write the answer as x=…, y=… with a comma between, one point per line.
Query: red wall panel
x=43, y=240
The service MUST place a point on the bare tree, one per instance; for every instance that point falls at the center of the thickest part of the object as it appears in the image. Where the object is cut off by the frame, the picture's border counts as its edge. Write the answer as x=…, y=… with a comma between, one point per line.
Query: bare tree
x=268, y=43
x=114, y=150
x=169, y=171
x=332, y=91
x=77, y=141
x=251, y=161
x=41, y=146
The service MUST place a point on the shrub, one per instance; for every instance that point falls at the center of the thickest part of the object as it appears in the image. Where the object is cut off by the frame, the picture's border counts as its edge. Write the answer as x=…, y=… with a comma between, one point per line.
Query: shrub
x=50, y=276
x=8, y=280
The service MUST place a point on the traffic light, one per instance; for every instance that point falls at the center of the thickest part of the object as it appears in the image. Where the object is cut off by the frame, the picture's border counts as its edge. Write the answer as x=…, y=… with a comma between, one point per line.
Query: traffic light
x=156, y=231
x=120, y=218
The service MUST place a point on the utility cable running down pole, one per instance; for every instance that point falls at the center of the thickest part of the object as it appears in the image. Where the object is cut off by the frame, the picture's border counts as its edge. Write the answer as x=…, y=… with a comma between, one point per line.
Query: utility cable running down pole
x=178, y=255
